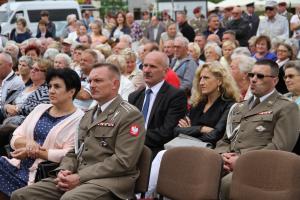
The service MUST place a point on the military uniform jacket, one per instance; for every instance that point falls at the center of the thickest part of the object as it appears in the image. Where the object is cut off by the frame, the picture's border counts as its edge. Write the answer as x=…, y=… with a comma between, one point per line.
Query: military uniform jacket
x=109, y=148
x=198, y=24
x=272, y=124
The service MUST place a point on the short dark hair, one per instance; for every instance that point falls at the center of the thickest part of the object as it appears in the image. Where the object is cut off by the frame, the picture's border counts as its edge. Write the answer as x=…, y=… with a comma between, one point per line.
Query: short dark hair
x=273, y=65
x=111, y=67
x=212, y=16
x=22, y=21
x=44, y=13
x=69, y=76
x=264, y=37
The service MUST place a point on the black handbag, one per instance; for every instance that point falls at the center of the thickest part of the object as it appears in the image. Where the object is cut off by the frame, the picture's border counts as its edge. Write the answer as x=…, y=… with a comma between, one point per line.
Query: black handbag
x=44, y=169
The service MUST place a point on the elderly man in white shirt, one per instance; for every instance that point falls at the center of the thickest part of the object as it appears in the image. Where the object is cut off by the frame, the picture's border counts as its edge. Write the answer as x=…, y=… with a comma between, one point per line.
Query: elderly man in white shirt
x=274, y=25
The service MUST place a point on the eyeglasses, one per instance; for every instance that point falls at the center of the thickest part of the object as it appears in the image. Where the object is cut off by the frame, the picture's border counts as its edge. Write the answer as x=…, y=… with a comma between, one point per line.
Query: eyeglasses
x=258, y=75
x=35, y=69
x=290, y=76
x=282, y=50
x=269, y=8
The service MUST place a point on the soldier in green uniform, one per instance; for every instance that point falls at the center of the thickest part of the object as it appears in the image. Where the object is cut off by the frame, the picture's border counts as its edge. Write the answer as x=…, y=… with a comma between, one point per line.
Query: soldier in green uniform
x=268, y=120
x=108, y=145
x=198, y=23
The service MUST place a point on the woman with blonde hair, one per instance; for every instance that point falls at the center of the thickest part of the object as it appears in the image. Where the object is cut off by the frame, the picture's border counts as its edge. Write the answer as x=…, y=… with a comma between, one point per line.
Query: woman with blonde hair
x=105, y=49
x=194, y=51
x=212, y=52
x=214, y=92
x=134, y=74
x=96, y=34
x=71, y=25
x=227, y=49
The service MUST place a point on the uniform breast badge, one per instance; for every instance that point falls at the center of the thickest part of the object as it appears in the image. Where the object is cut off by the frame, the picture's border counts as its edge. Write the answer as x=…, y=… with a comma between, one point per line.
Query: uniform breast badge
x=260, y=128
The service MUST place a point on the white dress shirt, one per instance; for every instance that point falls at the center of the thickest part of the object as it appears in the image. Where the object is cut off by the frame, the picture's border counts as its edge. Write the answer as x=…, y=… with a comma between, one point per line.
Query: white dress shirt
x=155, y=89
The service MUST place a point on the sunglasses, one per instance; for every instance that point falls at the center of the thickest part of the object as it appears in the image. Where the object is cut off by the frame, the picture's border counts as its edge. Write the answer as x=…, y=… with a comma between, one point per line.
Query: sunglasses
x=269, y=8
x=290, y=76
x=258, y=75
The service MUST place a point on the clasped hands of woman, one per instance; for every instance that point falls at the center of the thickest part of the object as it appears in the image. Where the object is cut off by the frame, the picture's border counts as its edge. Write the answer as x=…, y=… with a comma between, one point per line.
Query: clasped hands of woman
x=31, y=150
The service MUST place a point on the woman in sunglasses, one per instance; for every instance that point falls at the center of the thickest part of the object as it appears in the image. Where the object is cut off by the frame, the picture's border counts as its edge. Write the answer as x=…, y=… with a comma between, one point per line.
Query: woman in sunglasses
x=262, y=49
x=292, y=81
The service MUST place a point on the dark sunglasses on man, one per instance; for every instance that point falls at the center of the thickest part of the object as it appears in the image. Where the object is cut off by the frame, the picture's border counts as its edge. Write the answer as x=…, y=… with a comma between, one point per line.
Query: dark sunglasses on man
x=269, y=8
x=258, y=75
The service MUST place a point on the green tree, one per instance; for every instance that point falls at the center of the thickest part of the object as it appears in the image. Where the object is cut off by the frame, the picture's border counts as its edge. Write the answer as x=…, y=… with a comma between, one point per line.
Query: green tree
x=215, y=1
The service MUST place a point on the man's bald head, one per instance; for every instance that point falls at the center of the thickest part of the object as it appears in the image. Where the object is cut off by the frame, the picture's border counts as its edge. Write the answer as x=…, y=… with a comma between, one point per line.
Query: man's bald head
x=6, y=58
x=155, y=67
x=6, y=65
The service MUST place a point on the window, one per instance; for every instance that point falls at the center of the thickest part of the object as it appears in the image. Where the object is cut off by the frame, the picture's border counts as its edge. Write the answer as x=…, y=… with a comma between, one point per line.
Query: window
x=16, y=16
x=54, y=15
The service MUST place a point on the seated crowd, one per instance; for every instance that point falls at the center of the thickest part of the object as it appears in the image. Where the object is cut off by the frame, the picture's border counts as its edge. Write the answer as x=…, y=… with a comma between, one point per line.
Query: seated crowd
x=93, y=97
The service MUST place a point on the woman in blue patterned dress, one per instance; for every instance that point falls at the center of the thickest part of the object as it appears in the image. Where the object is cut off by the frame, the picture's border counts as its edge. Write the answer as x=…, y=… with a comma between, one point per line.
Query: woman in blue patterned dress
x=46, y=134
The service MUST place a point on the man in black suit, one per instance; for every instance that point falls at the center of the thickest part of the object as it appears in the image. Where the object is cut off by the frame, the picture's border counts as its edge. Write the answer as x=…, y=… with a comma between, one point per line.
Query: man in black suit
x=239, y=26
x=161, y=104
x=251, y=18
x=186, y=30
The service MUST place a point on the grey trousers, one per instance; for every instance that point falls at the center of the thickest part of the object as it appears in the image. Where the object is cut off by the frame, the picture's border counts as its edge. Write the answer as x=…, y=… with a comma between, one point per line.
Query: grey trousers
x=225, y=186
x=47, y=190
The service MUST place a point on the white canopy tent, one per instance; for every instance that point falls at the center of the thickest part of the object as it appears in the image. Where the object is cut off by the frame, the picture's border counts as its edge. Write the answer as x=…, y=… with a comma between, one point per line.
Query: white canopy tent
x=258, y=3
x=211, y=5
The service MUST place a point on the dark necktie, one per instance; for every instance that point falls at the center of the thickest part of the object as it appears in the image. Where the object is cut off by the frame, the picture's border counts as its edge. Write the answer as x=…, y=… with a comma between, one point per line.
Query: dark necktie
x=255, y=103
x=146, y=104
x=97, y=113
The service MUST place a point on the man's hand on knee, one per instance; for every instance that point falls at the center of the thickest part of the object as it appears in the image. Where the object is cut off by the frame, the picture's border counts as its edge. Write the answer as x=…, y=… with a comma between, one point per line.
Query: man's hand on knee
x=229, y=160
x=67, y=182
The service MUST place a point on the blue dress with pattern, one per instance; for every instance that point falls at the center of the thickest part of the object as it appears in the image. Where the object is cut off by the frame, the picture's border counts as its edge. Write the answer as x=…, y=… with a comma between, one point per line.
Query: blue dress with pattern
x=13, y=178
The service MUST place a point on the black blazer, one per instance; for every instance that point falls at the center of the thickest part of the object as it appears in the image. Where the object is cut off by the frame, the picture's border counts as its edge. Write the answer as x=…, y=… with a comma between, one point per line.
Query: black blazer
x=187, y=31
x=241, y=29
x=168, y=108
x=125, y=30
x=281, y=86
x=215, y=117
